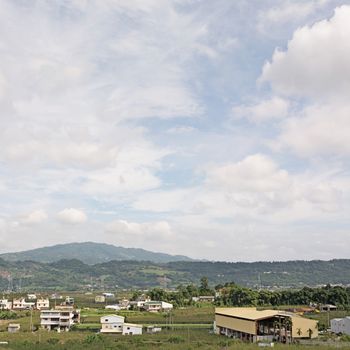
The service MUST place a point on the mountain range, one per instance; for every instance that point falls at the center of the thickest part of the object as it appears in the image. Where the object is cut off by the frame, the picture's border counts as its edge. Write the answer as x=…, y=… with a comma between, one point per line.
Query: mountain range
x=90, y=253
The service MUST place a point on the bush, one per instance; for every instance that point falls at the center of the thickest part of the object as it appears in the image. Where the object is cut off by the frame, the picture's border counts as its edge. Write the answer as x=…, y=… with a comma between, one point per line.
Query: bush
x=8, y=315
x=92, y=338
x=53, y=341
x=176, y=340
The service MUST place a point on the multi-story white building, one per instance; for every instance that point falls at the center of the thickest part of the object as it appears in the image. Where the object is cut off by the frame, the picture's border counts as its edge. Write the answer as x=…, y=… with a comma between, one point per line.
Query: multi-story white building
x=116, y=324
x=155, y=306
x=62, y=318
x=42, y=304
x=341, y=325
x=5, y=304
x=22, y=304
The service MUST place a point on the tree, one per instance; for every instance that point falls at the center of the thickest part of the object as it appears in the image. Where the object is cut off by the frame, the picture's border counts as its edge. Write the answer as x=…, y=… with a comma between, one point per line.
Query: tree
x=204, y=286
x=311, y=332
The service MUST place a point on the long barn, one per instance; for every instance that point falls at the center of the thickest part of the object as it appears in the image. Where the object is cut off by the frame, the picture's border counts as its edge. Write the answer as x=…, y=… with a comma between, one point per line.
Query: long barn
x=250, y=324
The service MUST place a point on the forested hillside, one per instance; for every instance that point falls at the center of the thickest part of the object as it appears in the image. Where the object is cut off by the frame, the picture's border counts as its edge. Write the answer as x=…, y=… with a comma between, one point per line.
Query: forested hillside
x=76, y=275
x=90, y=253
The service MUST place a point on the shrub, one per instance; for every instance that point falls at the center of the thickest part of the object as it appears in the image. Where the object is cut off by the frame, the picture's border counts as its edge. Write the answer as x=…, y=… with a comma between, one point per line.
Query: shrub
x=53, y=341
x=8, y=315
x=92, y=338
x=176, y=340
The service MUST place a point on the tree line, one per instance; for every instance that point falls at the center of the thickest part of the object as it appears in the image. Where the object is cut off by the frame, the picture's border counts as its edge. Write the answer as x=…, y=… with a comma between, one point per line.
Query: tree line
x=231, y=294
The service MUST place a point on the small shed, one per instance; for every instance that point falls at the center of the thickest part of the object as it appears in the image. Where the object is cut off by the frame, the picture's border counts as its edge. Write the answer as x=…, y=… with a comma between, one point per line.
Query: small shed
x=13, y=327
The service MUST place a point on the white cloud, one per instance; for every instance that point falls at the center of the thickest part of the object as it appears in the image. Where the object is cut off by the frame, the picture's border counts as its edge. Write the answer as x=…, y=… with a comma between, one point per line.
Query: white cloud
x=256, y=173
x=319, y=130
x=317, y=61
x=273, y=109
x=35, y=217
x=147, y=230
x=315, y=67
x=72, y=216
x=288, y=11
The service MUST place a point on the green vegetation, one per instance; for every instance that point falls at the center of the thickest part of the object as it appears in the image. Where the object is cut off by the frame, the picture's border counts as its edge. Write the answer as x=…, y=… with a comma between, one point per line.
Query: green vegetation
x=70, y=275
x=90, y=253
x=178, y=339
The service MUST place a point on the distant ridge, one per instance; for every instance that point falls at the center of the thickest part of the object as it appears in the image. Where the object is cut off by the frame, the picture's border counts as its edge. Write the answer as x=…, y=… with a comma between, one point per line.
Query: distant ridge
x=91, y=253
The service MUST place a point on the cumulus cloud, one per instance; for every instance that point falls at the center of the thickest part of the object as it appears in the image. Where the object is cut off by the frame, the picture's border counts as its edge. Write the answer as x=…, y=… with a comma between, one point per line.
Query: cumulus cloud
x=158, y=229
x=316, y=62
x=255, y=173
x=318, y=130
x=273, y=109
x=72, y=216
x=315, y=68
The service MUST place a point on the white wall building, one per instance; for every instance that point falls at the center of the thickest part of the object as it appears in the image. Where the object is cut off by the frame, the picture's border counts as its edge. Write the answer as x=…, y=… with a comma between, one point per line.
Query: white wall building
x=112, y=324
x=341, y=325
x=22, y=304
x=132, y=329
x=5, y=304
x=61, y=318
x=42, y=304
x=115, y=307
x=155, y=306
x=116, y=324
x=13, y=327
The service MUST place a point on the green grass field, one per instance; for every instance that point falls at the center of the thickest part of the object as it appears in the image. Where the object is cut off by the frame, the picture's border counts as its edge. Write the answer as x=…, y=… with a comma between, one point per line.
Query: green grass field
x=189, y=329
x=186, y=339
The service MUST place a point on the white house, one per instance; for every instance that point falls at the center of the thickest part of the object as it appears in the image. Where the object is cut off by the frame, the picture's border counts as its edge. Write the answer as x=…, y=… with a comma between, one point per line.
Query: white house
x=132, y=329
x=22, y=304
x=61, y=318
x=116, y=324
x=108, y=295
x=153, y=329
x=100, y=299
x=155, y=306
x=115, y=307
x=31, y=296
x=112, y=324
x=5, y=304
x=42, y=303
x=341, y=325
x=13, y=327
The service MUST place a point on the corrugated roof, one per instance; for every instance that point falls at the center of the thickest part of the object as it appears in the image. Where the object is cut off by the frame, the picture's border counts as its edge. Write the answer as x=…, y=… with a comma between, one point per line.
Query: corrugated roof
x=248, y=313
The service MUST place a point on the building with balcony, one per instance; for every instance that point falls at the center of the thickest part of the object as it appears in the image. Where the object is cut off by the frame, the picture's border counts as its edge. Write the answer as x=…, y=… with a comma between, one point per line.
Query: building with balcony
x=22, y=304
x=62, y=318
x=156, y=306
x=43, y=304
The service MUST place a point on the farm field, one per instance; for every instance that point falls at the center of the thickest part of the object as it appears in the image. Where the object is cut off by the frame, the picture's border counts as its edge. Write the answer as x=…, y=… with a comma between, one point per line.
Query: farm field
x=184, y=328
x=167, y=340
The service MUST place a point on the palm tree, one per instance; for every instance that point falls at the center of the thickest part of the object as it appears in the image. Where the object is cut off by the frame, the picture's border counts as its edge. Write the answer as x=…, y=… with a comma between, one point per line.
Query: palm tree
x=310, y=331
x=275, y=325
x=288, y=325
x=299, y=332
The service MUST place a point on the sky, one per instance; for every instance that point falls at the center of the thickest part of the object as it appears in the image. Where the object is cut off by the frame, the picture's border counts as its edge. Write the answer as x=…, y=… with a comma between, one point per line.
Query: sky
x=218, y=129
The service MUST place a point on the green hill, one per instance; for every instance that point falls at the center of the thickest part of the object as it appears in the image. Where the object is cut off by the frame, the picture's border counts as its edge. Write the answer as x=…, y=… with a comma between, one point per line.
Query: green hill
x=90, y=253
x=72, y=274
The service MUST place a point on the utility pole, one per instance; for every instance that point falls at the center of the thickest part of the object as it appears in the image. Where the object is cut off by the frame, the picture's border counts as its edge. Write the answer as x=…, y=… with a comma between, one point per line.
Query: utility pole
x=31, y=319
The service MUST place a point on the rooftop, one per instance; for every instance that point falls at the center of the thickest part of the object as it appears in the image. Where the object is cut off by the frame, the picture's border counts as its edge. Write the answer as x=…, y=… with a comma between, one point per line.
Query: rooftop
x=248, y=313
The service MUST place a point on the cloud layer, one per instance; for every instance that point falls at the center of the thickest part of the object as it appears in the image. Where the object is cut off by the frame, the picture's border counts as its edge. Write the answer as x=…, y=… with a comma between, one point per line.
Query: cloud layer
x=176, y=126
